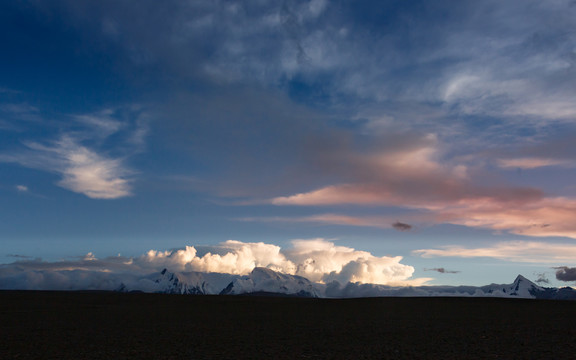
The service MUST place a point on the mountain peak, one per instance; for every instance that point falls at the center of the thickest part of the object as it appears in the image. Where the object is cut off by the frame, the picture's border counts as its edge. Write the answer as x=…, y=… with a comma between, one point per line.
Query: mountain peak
x=266, y=280
x=521, y=278
x=523, y=286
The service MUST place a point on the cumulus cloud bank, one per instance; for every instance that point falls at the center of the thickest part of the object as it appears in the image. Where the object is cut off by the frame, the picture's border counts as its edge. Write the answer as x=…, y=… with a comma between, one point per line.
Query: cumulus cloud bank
x=318, y=260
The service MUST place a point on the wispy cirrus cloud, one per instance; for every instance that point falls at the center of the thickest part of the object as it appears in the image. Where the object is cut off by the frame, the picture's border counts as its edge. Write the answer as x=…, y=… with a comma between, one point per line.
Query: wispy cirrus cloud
x=77, y=155
x=83, y=170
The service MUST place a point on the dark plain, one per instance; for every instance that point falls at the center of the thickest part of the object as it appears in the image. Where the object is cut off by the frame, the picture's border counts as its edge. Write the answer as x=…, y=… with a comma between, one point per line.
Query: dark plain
x=108, y=325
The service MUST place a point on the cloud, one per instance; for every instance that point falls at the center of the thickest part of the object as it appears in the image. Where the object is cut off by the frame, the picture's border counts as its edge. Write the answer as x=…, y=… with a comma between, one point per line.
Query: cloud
x=19, y=256
x=83, y=170
x=102, y=123
x=410, y=177
x=78, y=154
x=544, y=217
x=415, y=179
x=515, y=251
x=565, y=273
x=401, y=226
x=21, y=188
x=286, y=68
x=321, y=260
x=443, y=271
x=542, y=279
x=318, y=260
x=533, y=163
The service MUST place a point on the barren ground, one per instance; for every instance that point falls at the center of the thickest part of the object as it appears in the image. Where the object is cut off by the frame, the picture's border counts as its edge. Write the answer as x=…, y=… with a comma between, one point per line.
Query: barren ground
x=100, y=325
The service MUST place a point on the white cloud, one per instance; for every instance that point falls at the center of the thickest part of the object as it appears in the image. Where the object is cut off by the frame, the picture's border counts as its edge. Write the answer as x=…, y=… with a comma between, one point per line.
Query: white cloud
x=21, y=188
x=517, y=251
x=78, y=154
x=83, y=170
x=102, y=123
x=318, y=260
x=321, y=260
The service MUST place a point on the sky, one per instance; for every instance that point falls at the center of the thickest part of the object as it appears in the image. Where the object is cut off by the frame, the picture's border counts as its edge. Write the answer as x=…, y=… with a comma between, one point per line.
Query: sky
x=392, y=142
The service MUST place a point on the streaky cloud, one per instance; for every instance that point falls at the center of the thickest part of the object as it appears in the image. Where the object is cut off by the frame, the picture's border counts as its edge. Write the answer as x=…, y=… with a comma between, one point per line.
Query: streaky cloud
x=442, y=270
x=78, y=154
x=83, y=170
x=515, y=251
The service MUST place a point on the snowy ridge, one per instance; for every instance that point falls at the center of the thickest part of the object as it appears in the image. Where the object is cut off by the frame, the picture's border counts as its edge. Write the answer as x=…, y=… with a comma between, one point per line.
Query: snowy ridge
x=265, y=281
x=521, y=287
x=268, y=281
x=186, y=283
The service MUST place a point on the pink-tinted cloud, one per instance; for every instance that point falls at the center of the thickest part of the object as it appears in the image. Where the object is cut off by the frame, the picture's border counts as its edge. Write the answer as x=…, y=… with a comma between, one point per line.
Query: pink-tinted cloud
x=542, y=218
x=533, y=163
x=442, y=193
x=413, y=177
x=518, y=251
x=546, y=217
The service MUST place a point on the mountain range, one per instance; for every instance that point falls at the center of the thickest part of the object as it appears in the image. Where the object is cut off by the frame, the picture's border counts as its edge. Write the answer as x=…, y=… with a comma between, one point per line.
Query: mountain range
x=264, y=281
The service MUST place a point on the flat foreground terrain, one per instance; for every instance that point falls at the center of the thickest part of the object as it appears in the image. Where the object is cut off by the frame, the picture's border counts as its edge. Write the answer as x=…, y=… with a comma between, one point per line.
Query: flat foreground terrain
x=98, y=325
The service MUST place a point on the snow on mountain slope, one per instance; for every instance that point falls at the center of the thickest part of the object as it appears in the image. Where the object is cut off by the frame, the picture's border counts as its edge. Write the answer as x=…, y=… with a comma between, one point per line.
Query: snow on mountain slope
x=263, y=280
x=192, y=283
x=521, y=288
x=268, y=281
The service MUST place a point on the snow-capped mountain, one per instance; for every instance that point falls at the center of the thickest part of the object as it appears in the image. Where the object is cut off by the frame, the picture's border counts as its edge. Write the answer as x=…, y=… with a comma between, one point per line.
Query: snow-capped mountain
x=265, y=281
x=189, y=283
x=172, y=283
x=260, y=280
x=521, y=287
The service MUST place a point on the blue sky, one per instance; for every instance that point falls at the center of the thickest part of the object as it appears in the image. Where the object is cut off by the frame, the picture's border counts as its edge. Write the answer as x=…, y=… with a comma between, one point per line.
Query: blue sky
x=441, y=132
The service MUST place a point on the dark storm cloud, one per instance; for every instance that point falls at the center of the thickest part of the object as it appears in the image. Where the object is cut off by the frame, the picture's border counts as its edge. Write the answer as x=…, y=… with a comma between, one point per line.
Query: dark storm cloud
x=565, y=273
x=401, y=226
x=443, y=271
